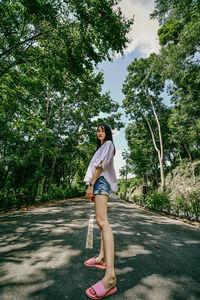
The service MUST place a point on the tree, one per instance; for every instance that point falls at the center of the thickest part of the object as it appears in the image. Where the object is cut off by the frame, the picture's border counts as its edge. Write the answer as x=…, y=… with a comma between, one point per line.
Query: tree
x=125, y=170
x=49, y=91
x=179, y=38
x=142, y=89
x=67, y=35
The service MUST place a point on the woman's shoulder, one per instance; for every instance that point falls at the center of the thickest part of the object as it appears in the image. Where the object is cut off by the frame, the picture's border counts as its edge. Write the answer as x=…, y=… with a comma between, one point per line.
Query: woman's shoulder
x=107, y=143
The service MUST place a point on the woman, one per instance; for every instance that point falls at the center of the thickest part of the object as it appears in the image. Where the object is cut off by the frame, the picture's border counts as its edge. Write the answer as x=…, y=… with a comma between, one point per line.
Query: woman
x=101, y=180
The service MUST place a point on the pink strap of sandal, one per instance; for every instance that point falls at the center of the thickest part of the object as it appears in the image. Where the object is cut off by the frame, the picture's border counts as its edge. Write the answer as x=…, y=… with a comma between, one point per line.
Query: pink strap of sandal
x=91, y=263
x=100, y=291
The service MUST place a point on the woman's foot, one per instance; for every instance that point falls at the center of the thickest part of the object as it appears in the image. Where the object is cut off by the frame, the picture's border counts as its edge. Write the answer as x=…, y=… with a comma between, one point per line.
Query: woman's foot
x=100, y=260
x=95, y=262
x=108, y=283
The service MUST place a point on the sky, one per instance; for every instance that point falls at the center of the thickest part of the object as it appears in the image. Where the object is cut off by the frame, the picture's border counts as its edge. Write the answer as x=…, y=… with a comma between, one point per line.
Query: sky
x=144, y=41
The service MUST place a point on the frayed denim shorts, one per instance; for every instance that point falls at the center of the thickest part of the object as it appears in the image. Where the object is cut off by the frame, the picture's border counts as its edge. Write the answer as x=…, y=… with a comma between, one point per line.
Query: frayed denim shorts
x=101, y=187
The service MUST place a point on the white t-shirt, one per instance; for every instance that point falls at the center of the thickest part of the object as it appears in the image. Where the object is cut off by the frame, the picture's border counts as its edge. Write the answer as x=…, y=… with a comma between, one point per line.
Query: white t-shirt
x=105, y=154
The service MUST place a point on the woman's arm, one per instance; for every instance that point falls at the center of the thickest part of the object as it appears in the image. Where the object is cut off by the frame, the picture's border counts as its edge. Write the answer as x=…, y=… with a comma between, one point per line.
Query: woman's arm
x=89, y=191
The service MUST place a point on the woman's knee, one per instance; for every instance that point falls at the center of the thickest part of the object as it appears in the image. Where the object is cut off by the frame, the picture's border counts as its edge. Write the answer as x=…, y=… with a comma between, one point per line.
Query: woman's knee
x=102, y=222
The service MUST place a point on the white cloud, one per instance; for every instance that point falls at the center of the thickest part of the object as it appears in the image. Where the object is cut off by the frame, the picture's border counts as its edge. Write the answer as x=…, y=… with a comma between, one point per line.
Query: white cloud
x=115, y=132
x=143, y=33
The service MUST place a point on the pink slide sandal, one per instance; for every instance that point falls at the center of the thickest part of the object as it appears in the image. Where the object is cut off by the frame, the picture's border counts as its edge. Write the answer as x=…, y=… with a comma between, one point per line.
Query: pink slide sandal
x=91, y=263
x=100, y=291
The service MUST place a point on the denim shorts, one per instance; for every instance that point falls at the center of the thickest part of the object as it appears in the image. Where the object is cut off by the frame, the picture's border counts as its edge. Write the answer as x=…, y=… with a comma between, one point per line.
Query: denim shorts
x=101, y=187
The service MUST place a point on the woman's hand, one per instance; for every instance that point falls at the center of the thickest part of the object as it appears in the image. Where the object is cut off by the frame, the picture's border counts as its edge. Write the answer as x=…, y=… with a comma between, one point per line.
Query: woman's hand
x=89, y=193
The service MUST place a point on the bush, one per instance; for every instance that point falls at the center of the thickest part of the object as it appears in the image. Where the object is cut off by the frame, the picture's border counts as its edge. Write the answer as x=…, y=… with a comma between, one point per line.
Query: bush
x=194, y=199
x=197, y=170
x=58, y=193
x=180, y=205
x=44, y=198
x=138, y=199
x=131, y=183
x=189, y=205
x=157, y=201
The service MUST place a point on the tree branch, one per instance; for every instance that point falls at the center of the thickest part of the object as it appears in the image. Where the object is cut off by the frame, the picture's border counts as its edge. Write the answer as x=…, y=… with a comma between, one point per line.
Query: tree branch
x=152, y=134
x=24, y=42
x=156, y=117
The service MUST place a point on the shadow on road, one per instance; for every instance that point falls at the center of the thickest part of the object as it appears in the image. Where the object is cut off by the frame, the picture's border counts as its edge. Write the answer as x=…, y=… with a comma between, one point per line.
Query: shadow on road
x=42, y=254
x=156, y=257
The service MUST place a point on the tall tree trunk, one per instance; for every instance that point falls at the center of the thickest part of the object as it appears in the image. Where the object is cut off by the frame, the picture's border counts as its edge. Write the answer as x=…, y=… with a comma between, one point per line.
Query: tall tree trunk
x=52, y=169
x=44, y=185
x=3, y=183
x=126, y=173
x=56, y=146
x=179, y=154
x=48, y=116
x=63, y=177
x=160, y=156
x=190, y=158
x=159, y=151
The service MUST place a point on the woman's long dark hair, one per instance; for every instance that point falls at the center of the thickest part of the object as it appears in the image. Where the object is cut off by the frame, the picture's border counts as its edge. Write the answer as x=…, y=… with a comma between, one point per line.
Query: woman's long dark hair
x=108, y=136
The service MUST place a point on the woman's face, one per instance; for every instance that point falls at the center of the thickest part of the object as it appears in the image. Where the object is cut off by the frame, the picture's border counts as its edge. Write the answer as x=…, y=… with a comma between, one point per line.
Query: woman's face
x=101, y=134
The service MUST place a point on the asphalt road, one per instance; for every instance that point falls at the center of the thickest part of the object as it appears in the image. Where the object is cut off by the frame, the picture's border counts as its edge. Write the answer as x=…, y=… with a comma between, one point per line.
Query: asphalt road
x=42, y=253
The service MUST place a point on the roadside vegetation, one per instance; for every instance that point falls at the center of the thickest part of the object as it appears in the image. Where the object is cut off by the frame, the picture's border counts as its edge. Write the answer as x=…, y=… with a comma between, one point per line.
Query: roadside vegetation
x=185, y=205
x=165, y=139
x=51, y=101
x=51, y=94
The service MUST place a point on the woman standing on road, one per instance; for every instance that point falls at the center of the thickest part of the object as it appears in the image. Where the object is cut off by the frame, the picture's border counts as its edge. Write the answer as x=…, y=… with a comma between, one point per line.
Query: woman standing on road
x=101, y=180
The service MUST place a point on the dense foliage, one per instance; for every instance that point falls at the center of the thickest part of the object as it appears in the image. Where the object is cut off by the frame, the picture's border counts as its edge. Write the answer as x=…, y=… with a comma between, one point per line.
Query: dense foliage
x=184, y=206
x=51, y=98
x=160, y=137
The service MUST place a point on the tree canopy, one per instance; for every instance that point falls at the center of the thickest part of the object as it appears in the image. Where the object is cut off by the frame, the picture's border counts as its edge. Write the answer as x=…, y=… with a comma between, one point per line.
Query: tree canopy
x=51, y=94
x=174, y=70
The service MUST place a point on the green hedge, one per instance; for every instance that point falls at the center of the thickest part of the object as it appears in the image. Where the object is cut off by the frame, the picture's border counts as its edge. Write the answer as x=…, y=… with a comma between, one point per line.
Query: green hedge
x=57, y=193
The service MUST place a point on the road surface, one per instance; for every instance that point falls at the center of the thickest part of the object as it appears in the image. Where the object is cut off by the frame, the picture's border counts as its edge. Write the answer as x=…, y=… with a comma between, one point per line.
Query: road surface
x=42, y=253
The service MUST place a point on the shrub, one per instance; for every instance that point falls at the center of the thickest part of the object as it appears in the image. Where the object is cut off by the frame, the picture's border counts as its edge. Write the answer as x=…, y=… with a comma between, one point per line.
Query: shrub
x=58, y=193
x=44, y=198
x=189, y=204
x=183, y=205
x=138, y=199
x=179, y=204
x=194, y=200
x=197, y=170
x=157, y=201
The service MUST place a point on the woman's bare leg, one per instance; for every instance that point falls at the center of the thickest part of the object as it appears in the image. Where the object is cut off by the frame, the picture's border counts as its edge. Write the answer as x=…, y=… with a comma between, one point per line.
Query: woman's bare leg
x=101, y=257
x=109, y=280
